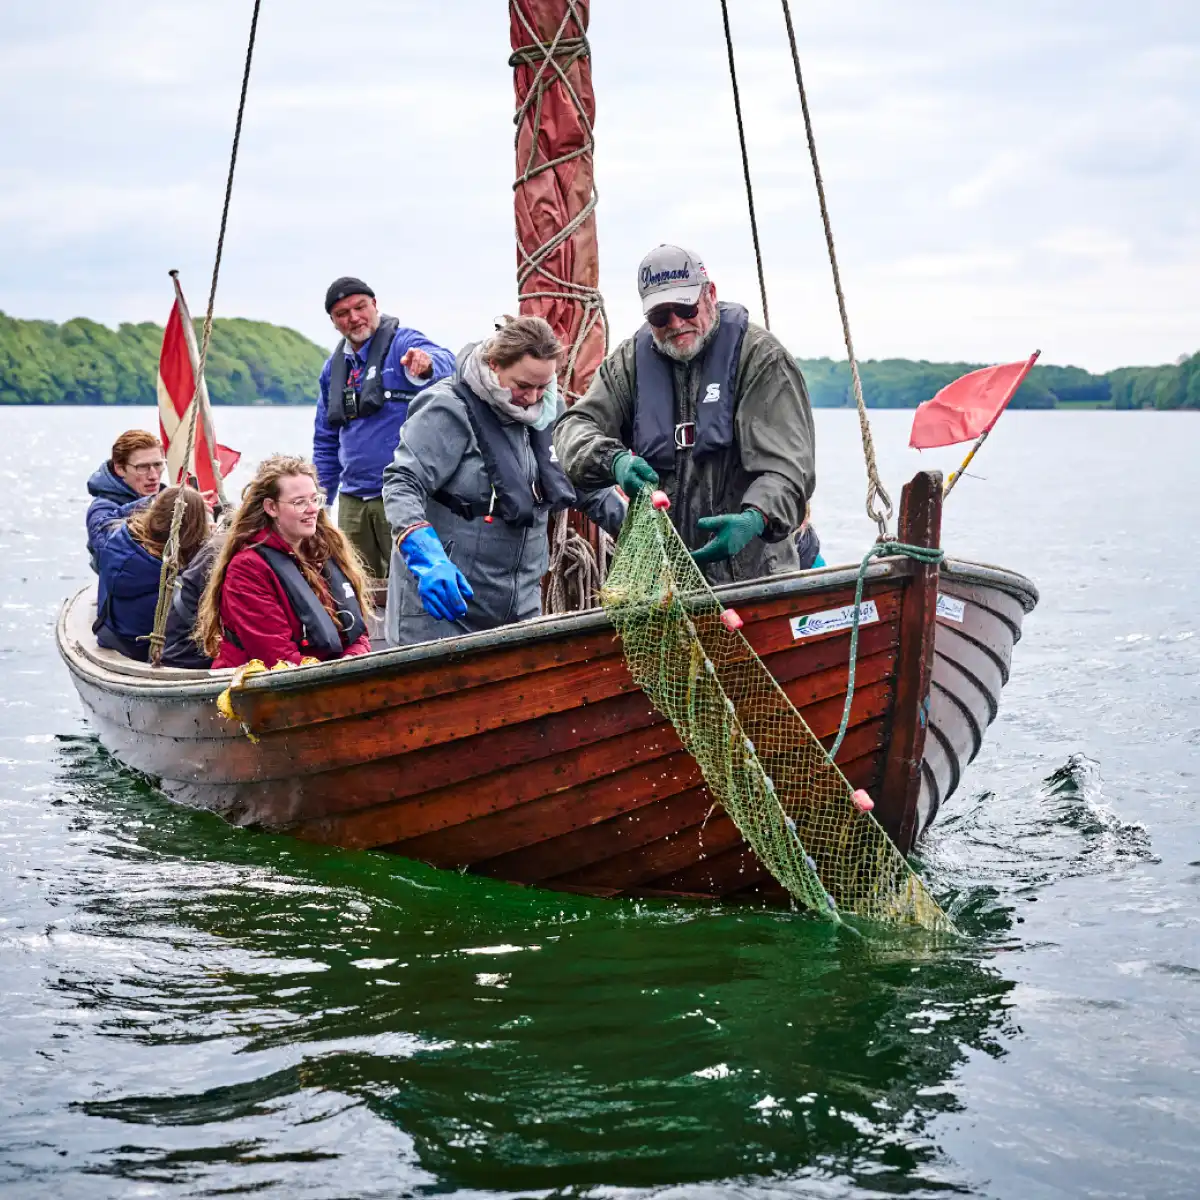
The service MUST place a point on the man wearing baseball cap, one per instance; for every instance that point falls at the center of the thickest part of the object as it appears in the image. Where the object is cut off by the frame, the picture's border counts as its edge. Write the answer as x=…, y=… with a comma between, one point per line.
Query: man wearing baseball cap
x=712, y=408
x=365, y=388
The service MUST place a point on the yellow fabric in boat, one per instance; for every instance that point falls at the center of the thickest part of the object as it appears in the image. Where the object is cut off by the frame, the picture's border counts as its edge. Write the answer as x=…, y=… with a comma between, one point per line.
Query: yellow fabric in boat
x=758, y=757
x=255, y=666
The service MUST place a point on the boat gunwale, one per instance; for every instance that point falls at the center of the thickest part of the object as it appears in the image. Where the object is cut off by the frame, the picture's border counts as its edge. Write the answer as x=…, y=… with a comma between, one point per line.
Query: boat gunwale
x=138, y=679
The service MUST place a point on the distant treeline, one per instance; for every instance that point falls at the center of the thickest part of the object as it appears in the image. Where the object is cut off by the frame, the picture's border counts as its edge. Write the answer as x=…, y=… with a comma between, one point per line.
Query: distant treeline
x=82, y=362
x=253, y=362
x=901, y=383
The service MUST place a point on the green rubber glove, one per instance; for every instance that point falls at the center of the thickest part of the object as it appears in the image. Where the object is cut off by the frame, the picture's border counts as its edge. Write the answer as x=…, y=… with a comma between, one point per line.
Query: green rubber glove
x=633, y=473
x=731, y=532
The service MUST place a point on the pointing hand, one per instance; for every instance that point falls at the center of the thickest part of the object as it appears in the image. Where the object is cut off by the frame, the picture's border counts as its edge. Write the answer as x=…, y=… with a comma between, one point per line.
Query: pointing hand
x=417, y=363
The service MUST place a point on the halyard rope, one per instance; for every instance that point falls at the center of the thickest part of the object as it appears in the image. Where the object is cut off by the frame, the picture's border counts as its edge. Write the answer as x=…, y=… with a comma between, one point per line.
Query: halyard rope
x=876, y=493
x=170, y=561
x=737, y=109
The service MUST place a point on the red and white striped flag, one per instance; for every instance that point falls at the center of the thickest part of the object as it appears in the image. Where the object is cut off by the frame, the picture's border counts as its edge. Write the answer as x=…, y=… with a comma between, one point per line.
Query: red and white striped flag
x=177, y=364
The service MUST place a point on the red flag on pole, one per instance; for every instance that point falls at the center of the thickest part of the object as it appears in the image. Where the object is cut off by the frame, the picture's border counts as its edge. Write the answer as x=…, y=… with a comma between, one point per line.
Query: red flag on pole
x=177, y=363
x=969, y=406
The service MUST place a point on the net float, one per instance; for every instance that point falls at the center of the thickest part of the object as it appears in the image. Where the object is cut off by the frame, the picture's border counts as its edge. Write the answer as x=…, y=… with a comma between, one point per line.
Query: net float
x=660, y=499
x=862, y=801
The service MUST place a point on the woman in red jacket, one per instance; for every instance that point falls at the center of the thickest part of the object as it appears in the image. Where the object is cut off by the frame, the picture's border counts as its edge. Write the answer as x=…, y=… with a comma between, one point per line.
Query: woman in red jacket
x=287, y=585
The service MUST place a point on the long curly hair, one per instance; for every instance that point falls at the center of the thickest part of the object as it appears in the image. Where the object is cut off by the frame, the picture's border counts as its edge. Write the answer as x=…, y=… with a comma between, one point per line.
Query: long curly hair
x=327, y=543
x=150, y=525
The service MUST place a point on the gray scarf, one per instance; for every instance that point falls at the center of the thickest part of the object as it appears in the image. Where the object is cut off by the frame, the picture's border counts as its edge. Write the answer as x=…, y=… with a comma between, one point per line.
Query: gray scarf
x=481, y=379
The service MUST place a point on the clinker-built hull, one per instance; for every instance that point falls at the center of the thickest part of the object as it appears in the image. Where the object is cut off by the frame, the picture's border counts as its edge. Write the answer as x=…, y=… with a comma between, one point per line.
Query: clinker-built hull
x=529, y=754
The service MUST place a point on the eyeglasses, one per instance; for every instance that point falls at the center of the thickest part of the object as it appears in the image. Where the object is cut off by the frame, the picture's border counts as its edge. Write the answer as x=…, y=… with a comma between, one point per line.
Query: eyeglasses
x=150, y=468
x=659, y=317
x=305, y=503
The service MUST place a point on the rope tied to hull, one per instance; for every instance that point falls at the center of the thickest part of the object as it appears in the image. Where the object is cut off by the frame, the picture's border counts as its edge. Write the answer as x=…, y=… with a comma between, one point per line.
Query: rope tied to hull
x=170, y=562
x=922, y=554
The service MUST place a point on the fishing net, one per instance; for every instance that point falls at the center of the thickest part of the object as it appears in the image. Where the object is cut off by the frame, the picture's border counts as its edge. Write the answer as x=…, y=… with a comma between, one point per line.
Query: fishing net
x=758, y=757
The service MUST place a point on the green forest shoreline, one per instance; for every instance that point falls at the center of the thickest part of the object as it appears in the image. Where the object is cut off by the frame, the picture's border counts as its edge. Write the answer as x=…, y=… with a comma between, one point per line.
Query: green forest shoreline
x=81, y=362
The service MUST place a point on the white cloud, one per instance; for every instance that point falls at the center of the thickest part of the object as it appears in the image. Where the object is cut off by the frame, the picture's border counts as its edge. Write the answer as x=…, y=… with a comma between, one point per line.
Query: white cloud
x=999, y=176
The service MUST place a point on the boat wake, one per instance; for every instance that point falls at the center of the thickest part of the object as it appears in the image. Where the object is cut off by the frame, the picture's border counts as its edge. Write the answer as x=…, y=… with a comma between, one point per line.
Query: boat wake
x=990, y=847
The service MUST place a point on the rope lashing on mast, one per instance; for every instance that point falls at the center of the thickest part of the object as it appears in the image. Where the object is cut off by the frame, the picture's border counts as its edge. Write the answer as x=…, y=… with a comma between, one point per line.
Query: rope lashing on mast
x=575, y=571
x=879, y=503
x=737, y=109
x=170, y=561
x=552, y=60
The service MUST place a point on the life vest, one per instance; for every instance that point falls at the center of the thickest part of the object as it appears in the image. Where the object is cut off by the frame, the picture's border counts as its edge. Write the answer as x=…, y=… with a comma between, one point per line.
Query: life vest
x=656, y=433
x=515, y=499
x=318, y=633
x=371, y=394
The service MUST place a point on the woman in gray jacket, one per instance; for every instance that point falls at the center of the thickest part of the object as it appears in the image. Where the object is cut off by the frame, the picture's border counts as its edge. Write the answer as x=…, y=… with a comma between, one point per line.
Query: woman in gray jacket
x=471, y=487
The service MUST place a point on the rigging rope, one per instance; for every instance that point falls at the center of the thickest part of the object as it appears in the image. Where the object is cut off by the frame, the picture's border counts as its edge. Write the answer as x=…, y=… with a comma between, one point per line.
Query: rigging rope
x=170, y=561
x=737, y=108
x=876, y=493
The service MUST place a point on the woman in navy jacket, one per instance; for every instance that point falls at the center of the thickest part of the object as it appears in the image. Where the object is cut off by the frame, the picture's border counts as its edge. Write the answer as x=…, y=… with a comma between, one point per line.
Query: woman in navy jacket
x=128, y=541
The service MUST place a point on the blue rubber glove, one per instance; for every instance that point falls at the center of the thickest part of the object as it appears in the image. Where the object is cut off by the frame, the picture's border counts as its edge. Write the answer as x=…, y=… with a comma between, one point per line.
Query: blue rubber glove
x=633, y=473
x=443, y=588
x=731, y=532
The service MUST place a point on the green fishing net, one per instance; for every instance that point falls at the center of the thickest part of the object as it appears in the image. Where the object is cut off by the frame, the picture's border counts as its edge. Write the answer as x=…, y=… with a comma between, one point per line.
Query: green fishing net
x=759, y=759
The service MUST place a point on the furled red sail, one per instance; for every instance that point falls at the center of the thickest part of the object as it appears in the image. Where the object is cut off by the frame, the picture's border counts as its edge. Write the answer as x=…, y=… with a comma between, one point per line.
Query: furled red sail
x=558, y=267
x=177, y=362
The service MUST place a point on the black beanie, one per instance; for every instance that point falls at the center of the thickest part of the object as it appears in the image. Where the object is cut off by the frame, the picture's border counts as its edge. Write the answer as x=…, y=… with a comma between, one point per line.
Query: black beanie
x=339, y=289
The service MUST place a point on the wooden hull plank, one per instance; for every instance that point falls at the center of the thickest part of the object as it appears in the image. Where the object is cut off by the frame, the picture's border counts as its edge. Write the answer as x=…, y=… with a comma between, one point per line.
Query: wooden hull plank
x=532, y=820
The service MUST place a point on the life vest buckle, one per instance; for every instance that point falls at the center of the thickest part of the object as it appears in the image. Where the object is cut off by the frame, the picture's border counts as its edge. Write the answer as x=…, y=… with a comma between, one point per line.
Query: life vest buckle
x=685, y=435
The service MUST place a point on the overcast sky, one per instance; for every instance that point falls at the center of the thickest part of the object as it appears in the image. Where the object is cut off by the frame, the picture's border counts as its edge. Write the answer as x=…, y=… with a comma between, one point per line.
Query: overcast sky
x=1001, y=176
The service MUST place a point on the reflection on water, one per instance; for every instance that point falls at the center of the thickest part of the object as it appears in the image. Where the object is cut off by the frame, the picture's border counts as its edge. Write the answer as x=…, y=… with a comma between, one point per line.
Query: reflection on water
x=511, y=1039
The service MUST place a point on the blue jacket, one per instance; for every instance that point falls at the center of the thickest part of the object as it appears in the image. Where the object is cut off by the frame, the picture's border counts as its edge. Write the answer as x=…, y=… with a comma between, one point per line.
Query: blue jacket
x=129, y=576
x=106, y=484
x=352, y=457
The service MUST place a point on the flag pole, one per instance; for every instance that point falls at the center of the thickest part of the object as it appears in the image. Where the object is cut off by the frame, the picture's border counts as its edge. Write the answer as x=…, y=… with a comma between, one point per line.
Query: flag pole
x=205, y=414
x=955, y=476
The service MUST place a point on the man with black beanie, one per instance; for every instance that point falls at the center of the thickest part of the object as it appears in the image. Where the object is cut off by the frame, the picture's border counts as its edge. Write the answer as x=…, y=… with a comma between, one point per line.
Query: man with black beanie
x=365, y=389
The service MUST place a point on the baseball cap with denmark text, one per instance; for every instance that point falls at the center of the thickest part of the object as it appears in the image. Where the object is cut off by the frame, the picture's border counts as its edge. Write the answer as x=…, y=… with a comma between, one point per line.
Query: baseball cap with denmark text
x=670, y=275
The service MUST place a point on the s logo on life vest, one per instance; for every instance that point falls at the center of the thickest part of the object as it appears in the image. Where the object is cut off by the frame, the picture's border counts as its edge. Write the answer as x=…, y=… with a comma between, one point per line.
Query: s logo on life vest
x=712, y=394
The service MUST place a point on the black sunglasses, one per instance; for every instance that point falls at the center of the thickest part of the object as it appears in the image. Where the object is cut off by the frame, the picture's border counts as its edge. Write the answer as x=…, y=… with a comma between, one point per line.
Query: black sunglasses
x=658, y=317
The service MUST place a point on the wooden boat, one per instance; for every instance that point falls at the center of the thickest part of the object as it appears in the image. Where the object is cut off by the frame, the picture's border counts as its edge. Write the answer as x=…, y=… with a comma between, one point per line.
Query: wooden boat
x=528, y=753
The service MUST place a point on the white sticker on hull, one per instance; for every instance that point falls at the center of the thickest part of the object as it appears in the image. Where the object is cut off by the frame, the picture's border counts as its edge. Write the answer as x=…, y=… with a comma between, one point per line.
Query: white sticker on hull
x=951, y=609
x=833, y=619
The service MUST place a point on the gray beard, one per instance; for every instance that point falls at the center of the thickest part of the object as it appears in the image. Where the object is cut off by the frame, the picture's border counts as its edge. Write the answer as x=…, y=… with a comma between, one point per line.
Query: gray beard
x=668, y=348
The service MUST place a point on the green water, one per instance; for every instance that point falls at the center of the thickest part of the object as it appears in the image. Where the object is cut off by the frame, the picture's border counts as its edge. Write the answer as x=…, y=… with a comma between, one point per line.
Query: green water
x=188, y=1009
